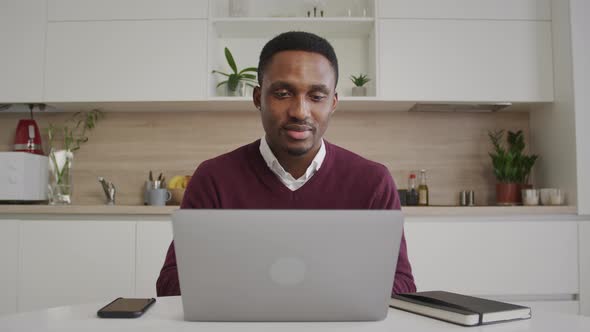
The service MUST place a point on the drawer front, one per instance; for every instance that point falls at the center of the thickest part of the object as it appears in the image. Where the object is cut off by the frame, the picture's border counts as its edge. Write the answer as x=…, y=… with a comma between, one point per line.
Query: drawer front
x=153, y=240
x=9, y=264
x=73, y=262
x=494, y=258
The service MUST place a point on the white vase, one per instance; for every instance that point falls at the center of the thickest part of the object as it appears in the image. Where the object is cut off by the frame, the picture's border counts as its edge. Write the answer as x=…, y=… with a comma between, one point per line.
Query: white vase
x=359, y=91
x=239, y=91
x=238, y=8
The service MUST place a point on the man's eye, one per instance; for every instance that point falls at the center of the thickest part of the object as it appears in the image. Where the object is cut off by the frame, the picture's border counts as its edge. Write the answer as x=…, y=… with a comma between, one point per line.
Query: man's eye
x=281, y=94
x=318, y=97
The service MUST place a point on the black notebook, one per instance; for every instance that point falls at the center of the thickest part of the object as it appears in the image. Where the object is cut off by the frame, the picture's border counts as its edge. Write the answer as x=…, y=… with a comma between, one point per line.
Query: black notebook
x=459, y=309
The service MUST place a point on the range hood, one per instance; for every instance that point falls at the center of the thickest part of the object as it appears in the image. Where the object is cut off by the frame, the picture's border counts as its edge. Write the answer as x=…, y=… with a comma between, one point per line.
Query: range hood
x=459, y=107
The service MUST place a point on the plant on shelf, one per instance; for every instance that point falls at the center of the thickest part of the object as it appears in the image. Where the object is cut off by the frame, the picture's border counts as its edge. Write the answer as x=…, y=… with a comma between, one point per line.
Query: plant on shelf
x=359, y=81
x=237, y=81
x=71, y=135
x=512, y=167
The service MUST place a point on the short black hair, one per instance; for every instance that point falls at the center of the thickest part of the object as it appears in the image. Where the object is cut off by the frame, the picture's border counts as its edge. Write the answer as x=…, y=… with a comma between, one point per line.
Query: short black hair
x=297, y=41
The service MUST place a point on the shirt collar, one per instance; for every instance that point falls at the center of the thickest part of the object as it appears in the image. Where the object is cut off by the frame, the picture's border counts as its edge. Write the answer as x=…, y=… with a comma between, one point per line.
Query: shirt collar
x=273, y=163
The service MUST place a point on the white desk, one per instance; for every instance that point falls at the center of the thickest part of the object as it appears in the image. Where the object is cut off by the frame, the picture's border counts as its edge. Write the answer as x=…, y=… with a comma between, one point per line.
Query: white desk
x=166, y=315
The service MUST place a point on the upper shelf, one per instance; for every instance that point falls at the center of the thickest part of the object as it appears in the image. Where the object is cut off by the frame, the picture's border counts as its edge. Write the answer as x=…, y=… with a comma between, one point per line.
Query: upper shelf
x=239, y=104
x=264, y=27
x=222, y=104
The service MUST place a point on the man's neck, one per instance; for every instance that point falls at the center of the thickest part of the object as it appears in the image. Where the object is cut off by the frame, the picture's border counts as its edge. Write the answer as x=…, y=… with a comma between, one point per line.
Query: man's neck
x=296, y=165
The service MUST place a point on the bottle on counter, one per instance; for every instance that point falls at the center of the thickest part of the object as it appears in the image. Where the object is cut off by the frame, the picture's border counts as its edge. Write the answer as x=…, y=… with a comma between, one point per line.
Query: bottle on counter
x=412, y=193
x=423, y=189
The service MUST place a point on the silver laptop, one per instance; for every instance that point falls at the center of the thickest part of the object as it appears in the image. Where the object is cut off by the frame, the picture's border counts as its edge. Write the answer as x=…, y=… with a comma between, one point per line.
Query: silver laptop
x=286, y=265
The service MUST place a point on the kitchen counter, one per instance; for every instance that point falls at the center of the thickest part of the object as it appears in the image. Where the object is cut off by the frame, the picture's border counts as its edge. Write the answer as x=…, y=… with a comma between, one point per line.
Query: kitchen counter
x=7, y=211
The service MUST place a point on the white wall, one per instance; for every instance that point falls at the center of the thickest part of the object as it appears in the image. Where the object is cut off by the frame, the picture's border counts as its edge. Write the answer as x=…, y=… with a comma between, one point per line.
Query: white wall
x=580, y=25
x=559, y=131
x=553, y=127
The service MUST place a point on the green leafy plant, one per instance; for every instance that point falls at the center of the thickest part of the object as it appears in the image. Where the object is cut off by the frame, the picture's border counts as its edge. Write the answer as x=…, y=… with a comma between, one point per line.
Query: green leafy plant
x=234, y=78
x=74, y=130
x=73, y=133
x=360, y=80
x=510, y=163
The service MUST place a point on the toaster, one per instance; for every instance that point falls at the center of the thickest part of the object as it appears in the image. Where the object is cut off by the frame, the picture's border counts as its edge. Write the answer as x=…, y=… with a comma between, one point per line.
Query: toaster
x=23, y=177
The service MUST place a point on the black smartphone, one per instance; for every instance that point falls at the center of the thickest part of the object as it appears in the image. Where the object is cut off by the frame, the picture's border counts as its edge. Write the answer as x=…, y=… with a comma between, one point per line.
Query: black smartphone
x=125, y=308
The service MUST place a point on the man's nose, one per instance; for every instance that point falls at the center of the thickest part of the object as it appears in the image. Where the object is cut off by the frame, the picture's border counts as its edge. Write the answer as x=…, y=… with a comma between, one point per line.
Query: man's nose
x=300, y=108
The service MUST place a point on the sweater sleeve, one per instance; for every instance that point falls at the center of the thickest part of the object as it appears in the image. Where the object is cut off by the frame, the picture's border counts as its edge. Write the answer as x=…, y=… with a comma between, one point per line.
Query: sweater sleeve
x=200, y=194
x=387, y=198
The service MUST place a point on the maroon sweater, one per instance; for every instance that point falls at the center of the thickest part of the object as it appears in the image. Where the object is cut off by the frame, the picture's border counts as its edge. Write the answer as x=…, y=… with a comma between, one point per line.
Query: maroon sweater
x=242, y=180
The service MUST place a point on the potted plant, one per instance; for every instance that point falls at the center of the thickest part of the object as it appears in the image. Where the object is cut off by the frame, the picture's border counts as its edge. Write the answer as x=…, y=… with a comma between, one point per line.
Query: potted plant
x=237, y=81
x=511, y=166
x=359, y=81
x=61, y=155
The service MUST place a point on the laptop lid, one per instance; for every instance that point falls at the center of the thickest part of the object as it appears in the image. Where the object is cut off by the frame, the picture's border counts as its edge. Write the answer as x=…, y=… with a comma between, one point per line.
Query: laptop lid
x=286, y=265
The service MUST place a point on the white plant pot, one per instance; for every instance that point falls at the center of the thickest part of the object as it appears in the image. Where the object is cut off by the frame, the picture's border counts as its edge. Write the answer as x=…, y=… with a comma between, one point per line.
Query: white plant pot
x=238, y=8
x=241, y=90
x=359, y=91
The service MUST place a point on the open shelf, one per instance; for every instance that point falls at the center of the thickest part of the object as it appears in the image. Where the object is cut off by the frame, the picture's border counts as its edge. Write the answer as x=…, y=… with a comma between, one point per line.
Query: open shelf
x=250, y=27
x=245, y=27
x=238, y=104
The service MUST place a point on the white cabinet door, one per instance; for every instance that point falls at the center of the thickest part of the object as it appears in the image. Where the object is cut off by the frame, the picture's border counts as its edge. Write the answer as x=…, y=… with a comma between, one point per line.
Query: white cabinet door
x=584, y=238
x=22, y=40
x=126, y=61
x=565, y=307
x=465, y=60
x=153, y=240
x=467, y=9
x=87, y=10
x=494, y=257
x=71, y=262
x=9, y=264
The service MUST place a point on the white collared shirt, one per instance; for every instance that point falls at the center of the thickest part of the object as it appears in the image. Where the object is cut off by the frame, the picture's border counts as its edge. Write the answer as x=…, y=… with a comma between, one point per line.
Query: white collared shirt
x=286, y=178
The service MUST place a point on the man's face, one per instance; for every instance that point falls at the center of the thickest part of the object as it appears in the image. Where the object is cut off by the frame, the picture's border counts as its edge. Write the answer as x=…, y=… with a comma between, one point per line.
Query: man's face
x=296, y=101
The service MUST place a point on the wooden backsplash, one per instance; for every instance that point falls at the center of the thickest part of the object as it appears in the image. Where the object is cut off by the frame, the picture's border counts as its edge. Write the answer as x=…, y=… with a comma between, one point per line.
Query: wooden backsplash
x=452, y=147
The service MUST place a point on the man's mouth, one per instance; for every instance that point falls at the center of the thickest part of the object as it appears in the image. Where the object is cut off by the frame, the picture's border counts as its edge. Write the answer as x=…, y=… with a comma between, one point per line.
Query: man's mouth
x=298, y=132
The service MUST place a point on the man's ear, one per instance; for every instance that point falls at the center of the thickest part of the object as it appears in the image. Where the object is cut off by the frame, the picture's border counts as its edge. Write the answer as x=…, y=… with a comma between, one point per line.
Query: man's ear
x=256, y=96
x=334, y=103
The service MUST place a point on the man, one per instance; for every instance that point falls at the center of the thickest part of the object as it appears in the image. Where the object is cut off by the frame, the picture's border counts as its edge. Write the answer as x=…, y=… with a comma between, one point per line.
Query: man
x=292, y=167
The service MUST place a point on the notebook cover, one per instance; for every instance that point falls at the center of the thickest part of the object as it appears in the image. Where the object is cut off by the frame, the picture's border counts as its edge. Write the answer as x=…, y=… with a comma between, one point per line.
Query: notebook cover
x=457, y=303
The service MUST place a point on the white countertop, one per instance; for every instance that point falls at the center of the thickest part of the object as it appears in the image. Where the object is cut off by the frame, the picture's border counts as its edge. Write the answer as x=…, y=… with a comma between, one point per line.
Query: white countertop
x=166, y=315
x=429, y=211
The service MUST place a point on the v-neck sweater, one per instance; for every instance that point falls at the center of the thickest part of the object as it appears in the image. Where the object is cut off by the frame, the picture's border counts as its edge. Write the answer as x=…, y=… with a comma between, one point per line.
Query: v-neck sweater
x=241, y=180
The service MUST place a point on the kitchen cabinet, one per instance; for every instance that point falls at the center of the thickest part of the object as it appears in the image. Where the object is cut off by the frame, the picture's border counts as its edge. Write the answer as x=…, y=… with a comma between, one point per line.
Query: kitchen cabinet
x=515, y=258
x=22, y=36
x=499, y=258
x=465, y=60
x=75, y=261
x=153, y=240
x=88, y=10
x=467, y=9
x=584, y=238
x=149, y=60
x=9, y=264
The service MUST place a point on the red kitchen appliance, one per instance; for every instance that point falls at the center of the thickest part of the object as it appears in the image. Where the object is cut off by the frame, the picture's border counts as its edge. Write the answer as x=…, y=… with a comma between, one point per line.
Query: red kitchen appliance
x=28, y=137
